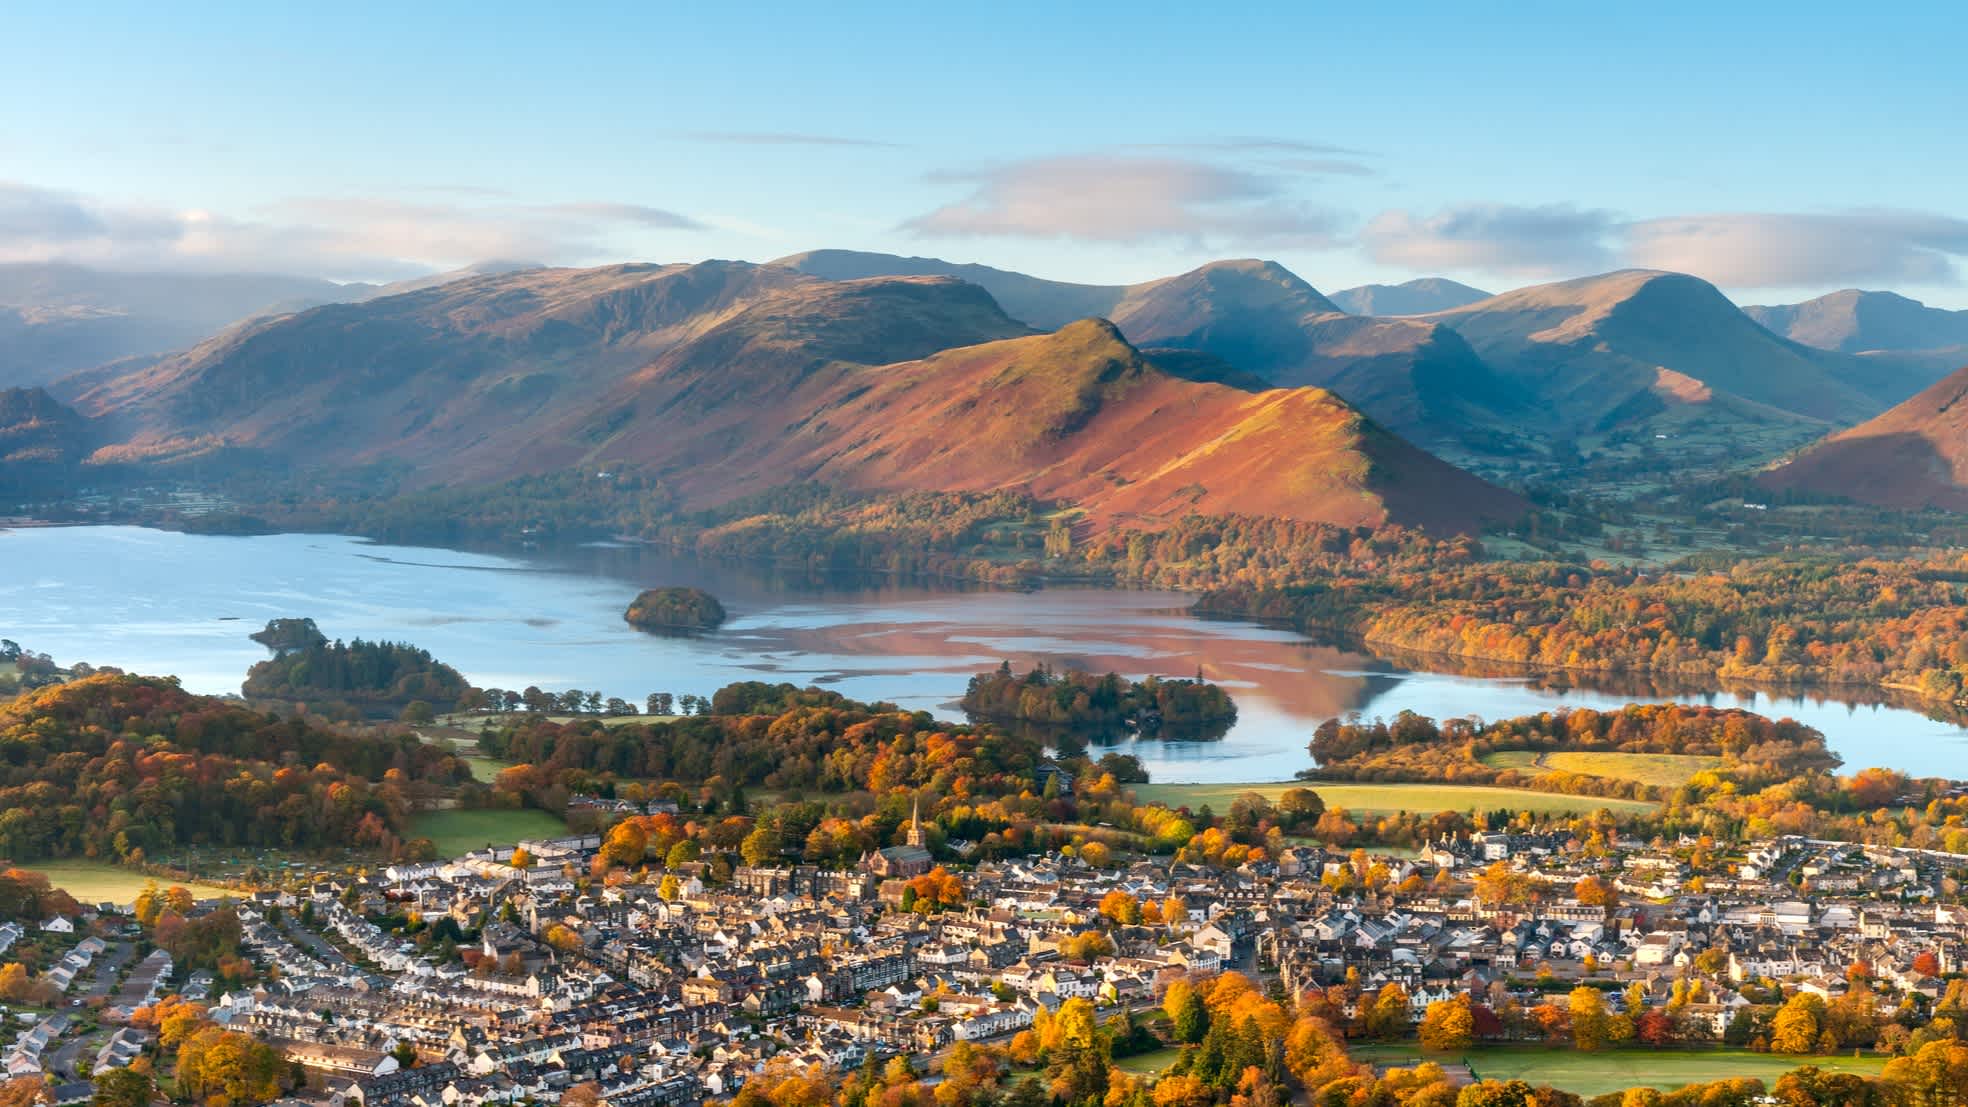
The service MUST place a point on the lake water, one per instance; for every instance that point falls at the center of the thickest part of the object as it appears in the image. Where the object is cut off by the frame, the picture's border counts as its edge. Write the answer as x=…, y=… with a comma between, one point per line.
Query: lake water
x=158, y=602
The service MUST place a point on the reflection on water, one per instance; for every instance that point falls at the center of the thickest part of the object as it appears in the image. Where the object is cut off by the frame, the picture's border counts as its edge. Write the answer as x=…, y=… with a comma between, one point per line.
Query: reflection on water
x=153, y=601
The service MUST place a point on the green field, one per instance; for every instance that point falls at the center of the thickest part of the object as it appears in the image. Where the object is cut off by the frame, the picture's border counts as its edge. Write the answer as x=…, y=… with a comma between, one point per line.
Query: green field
x=1148, y=1064
x=1661, y=770
x=457, y=831
x=1388, y=797
x=102, y=882
x=485, y=769
x=1590, y=1074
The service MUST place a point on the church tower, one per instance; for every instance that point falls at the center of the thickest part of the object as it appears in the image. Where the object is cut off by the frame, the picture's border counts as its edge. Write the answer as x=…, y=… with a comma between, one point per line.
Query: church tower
x=915, y=826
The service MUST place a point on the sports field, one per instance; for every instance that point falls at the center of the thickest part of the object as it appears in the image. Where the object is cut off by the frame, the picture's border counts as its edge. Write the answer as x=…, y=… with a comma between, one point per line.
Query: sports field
x=1590, y=1074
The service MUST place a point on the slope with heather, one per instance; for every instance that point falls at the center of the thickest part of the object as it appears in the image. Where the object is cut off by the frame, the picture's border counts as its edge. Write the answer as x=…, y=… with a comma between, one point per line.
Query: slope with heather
x=1912, y=456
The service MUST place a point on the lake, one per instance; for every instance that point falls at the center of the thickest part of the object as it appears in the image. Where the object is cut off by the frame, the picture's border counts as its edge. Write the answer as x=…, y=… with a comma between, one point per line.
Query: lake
x=158, y=602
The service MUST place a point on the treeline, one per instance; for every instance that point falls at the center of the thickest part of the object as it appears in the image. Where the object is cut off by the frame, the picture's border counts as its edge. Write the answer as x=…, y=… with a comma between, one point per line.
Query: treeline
x=123, y=767
x=780, y=737
x=1755, y=751
x=361, y=674
x=1173, y=708
x=1810, y=620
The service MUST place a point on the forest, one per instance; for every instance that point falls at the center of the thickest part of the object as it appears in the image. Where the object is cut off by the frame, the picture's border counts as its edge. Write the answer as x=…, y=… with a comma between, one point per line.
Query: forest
x=1185, y=709
x=125, y=768
x=368, y=676
x=661, y=609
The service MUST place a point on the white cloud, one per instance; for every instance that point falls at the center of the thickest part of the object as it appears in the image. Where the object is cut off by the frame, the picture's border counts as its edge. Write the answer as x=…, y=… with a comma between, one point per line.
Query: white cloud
x=1114, y=198
x=343, y=237
x=1547, y=241
x=1778, y=250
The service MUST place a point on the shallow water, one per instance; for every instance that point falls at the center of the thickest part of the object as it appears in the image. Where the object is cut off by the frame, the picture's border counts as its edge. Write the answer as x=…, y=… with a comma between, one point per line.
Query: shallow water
x=160, y=602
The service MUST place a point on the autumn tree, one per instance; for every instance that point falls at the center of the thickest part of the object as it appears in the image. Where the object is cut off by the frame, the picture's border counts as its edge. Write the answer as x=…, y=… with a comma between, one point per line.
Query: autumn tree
x=1585, y=1009
x=1449, y=1025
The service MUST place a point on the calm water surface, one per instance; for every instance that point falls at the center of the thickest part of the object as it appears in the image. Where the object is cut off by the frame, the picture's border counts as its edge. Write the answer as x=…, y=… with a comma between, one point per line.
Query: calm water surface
x=157, y=602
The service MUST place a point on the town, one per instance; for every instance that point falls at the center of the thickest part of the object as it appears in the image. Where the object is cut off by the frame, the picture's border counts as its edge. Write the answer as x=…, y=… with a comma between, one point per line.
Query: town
x=660, y=988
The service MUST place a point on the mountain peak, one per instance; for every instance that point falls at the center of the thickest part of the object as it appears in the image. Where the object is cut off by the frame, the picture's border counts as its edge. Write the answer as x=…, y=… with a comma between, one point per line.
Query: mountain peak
x=1416, y=297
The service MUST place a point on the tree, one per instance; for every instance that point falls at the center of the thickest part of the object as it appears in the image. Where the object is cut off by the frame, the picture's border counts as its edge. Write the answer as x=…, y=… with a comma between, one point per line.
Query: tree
x=1120, y=907
x=1449, y=1025
x=123, y=1088
x=521, y=859
x=1797, y=1025
x=1594, y=892
x=217, y=1062
x=1188, y=1015
x=1586, y=1009
x=419, y=713
x=582, y=1095
x=1388, y=1017
x=760, y=847
x=669, y=889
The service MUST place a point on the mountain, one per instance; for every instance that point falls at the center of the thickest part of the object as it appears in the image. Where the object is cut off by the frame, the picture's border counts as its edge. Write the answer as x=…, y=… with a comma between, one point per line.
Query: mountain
x=1047, y=305
x=41, y=441
x=57, y=318
x=1417, y=379
x=727, y=378
x=462, y=378
x=1416, y=297
x=1853, y=321
x=1617, y=350
x=1077, y=414
x=1913, y=456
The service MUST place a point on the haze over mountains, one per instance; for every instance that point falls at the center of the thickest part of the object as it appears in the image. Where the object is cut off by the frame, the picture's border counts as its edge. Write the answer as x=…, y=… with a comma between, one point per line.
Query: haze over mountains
x=56, y=319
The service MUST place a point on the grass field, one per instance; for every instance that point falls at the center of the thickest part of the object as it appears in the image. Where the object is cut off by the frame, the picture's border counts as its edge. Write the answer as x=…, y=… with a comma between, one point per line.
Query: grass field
x=1148, y=1064
x=457, y=832
x=1589, y=1074
x=1388, y=797
x=102, y=882
x=1662, y=770
x=485, y=769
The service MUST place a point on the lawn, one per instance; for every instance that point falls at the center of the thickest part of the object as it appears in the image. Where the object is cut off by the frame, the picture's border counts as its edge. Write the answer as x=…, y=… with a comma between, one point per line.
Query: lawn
x=102, y=882
x=1661, y=770
x=1590, y=1074
x=1148, y=1064
x=1388, y=797
x=460, y=831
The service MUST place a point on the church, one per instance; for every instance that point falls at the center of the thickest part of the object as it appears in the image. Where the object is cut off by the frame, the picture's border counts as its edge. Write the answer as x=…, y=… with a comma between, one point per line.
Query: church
x=903, y=861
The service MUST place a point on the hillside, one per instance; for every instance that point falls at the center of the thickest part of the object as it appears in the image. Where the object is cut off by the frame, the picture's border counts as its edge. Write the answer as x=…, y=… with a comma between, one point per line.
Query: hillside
x=1913, y=456
x=1853, y=321
x=1416, y=297
x=1077, y=415
x=464, y=378
x=1418, y=379
x=1621, y=349
x=41, y=441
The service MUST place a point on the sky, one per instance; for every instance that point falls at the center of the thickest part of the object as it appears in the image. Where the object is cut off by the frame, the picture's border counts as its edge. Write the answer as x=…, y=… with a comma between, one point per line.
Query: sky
x=1781, y=151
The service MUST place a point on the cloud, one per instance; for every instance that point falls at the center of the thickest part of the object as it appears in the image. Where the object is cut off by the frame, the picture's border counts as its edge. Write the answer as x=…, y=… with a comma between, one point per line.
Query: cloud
x=340, y=237
x=1777, y=250
x=786, y=138
x=1733, y=249
x=1545, y=241
x=1126, y=199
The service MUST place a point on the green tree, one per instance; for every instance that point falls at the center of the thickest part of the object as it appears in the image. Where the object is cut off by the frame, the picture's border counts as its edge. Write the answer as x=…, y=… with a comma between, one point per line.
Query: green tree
x=123, y=1088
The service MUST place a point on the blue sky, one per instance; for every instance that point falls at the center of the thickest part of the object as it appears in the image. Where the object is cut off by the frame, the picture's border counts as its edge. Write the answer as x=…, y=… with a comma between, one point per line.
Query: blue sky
x=1780, y=150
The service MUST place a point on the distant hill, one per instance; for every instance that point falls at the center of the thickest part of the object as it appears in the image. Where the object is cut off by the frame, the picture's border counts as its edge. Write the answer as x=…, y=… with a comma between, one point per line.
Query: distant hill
x=1047, y=305
x=1912, y=456
x=1618, y=349
x=58, y=318
x=728, y=378
x=1416, y=297
x=1853, y=321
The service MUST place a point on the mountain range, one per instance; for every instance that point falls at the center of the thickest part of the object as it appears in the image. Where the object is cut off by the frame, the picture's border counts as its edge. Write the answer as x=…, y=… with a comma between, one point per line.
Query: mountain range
x=732, y=378
x=1416, y=297
x=1853, y=321
x=1234, y=387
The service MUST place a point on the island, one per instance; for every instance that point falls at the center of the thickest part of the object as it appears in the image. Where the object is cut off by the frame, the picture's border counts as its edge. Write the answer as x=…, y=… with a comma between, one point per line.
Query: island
x=671, y=609
x=1156, y=707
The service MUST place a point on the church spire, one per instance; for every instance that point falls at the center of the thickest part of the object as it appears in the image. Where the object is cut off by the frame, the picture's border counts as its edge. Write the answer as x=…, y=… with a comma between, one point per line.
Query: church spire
x=915, y=824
